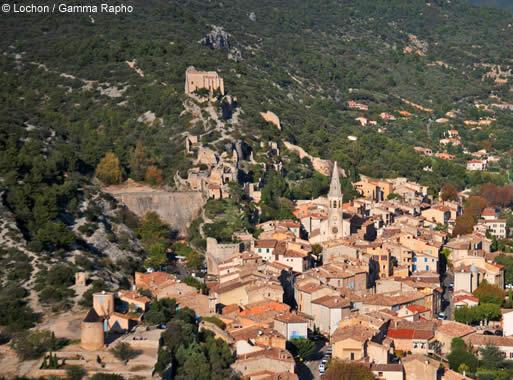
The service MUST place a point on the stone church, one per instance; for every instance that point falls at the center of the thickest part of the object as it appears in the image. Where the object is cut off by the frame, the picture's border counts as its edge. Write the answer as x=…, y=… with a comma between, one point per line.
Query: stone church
x=335, y=226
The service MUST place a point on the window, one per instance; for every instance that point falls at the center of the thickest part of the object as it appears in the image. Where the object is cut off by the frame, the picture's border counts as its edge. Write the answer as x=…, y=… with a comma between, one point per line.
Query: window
x=427, y=267
x=511, y=355
x=352, y=355
x=425, y=259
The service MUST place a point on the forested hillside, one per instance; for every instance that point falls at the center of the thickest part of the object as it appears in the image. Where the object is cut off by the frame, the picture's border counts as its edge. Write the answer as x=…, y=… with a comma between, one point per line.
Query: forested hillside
x=505, y=4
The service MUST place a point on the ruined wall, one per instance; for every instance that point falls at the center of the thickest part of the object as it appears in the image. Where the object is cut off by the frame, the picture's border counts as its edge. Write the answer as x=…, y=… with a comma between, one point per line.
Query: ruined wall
x=178, y=209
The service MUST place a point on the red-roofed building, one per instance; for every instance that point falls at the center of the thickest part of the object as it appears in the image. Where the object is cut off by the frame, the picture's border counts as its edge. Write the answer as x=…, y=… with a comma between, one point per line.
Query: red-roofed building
x=411, y=340
x=465, y=299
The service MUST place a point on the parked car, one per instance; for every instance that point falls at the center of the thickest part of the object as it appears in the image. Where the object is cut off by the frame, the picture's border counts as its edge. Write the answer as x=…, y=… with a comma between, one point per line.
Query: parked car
x=498, y=332
x=486, y=332
x=442, y=316
x=322, y=367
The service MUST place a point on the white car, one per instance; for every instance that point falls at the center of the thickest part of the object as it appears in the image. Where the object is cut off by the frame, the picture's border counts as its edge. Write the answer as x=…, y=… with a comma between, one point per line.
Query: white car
x=322, y=367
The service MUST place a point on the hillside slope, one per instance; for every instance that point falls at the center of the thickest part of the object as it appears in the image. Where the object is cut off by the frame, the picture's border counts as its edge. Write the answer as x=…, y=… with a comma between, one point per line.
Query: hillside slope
x=76, y=86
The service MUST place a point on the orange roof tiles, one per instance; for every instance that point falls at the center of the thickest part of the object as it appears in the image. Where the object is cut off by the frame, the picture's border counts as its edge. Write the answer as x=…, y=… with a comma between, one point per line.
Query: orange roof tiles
x=409, y=334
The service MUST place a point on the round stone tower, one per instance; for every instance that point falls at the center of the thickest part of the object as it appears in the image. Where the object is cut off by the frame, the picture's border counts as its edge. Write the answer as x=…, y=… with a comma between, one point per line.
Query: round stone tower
x=91, y=332
x=103, y=303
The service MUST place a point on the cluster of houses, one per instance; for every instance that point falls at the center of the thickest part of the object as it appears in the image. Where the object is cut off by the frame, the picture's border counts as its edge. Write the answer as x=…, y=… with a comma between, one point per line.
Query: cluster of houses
x=365, y=274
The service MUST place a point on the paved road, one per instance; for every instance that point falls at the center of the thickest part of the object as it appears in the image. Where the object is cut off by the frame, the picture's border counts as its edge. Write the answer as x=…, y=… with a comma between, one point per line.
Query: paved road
x=447, y=305
x=310, y=369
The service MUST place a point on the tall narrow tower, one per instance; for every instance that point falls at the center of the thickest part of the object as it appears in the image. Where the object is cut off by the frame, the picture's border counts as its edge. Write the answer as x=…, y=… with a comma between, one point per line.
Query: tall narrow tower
x=335, y=213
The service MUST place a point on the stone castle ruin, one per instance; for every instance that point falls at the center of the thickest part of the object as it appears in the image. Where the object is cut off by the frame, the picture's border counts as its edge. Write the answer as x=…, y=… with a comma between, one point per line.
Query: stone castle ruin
x=208, y=80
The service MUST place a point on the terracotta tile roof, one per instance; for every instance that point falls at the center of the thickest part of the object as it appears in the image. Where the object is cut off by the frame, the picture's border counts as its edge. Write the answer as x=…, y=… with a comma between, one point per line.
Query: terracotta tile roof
x=155, y=279
x=455, y=329
x=290, y=318
x=387, y=367
x=483, y=340
x=263, y=307
x=489, y=211
x=268, y=243
x=309, y=287
x=229, y=309
x=358, y=333
x=252, y=332
x=272, y=353
x=133, y=296
x=465, y=297
x=409, y=334
x=391, y=300
x=332, y=302
x=417, y=308
x=293, y=253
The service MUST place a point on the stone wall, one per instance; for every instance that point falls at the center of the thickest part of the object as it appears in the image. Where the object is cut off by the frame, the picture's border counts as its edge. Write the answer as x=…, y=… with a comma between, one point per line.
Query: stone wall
x=177, y=208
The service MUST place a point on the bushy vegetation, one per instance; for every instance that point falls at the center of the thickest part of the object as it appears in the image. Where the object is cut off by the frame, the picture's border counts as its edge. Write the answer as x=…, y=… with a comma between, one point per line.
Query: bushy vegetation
x=34, y=343
x=15, y=268
x=186, y=353
x=341, y=370
x=53, y=285
x=491, y=364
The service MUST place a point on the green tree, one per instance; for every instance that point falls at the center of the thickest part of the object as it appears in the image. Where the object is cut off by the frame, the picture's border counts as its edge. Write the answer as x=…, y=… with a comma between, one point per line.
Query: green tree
x=161, y=311
x=302, y=348
x=193, y=364
x=491, y=357
x=460, y=354
x=156, y=256
x=75, y=373
x=32, y=344
x=138, y=162
x=153, y=230
x=124, y=352
x=109, y=170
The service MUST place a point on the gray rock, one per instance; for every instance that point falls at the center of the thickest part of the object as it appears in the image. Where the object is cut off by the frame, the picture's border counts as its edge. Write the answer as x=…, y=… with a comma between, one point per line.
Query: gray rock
x=217, y=38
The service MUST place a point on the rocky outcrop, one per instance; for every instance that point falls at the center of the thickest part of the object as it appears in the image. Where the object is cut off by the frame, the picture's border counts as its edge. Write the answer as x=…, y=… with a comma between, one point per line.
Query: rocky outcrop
x=272, y=118
x=322, y=166
x=217, y=38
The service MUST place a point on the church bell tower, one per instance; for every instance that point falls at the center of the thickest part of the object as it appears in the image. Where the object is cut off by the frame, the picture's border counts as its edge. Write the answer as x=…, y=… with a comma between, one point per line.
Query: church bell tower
x=335, y=213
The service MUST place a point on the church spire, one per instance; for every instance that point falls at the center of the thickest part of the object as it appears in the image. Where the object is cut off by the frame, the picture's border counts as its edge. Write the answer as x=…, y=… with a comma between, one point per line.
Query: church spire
x=335, y=191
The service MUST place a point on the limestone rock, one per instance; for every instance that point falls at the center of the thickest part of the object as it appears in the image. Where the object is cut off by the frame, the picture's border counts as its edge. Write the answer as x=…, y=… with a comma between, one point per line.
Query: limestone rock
x=272, y=118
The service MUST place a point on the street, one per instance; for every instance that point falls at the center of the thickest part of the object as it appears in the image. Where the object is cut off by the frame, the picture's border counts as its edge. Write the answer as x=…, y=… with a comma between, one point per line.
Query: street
x=310, y=369
x=447, y=306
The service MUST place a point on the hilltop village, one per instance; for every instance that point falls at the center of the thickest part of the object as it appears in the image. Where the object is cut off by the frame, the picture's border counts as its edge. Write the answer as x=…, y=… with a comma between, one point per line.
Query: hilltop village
x=379, y=280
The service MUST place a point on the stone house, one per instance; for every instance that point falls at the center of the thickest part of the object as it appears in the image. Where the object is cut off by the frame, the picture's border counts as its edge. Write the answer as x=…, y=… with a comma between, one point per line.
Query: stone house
x=274, y=360
x=449, y=330
x=307, y=291
x=327, y=312
x=411, y=340
x=291, y=325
